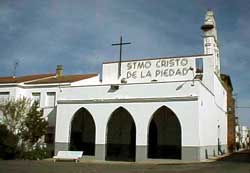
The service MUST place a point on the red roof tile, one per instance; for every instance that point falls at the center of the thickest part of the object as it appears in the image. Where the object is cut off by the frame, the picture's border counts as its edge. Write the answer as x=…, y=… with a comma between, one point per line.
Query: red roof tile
x=21, y=79
x=63, y=79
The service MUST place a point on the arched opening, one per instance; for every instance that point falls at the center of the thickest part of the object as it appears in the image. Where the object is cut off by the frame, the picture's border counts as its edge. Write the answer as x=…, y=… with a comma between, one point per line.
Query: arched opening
x=82, y=137
x=121, y=136
x=164, y=135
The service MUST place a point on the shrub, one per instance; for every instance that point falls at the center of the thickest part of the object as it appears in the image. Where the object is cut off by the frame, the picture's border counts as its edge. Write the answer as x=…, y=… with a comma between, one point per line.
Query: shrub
x=23, y=127
x=8, y=143
x=34, y=126
x=37, y=153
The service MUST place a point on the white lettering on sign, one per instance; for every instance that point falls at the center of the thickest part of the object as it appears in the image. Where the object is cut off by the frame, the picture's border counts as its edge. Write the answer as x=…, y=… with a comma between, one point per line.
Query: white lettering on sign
x=158, y=68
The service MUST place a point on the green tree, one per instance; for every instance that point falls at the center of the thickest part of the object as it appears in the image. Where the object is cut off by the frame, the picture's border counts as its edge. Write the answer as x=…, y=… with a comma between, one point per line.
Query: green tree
x=35, y=126
x=13, y=113
x=8, y=143
x=22, y=122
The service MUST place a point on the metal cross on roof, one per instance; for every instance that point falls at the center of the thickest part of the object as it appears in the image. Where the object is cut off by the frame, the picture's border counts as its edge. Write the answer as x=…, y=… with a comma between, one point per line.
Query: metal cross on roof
x=120, y=58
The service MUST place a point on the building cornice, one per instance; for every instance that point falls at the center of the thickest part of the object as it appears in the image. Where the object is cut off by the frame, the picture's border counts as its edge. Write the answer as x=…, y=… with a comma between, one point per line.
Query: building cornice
x=129, y=100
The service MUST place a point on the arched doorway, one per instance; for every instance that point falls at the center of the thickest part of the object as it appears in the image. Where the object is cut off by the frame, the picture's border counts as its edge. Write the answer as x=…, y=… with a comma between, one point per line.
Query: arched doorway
x=82, y=137
x=164, y=135
x=121, y=136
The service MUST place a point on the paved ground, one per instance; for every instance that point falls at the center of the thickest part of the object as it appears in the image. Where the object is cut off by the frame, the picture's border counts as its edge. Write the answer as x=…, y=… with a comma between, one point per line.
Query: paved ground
x=236, y=163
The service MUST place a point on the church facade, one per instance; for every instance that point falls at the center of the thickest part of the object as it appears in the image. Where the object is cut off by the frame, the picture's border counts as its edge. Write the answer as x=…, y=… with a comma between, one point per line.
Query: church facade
x=159, y=108
x=155, y=108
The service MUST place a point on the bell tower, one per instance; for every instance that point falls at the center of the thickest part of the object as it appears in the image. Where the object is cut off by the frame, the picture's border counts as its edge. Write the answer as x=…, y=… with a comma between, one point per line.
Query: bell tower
x=210, y=40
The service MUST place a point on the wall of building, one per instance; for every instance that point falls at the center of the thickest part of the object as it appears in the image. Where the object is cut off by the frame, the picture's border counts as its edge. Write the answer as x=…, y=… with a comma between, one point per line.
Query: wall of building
x=90, y=81
x=231, y=119
x=22, y=91
x=213, y=119
x=141, y=103
x=244, y=132
x=11, y=89
x=43, y=94
x=147, y=70
x=129, y=91
x=141, y=113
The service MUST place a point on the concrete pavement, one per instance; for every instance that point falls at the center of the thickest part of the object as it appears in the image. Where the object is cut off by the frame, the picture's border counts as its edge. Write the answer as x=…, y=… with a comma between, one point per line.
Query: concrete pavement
x=234, y=163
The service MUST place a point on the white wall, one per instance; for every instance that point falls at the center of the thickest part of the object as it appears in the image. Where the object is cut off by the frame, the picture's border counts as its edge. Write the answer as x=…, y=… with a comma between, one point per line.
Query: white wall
x=93, y=99
x=244, y=133
x=22, y=91
x=212, y=111
x=141, y=113
x=143, y=90
x=159, y=69
x=110, y=73
x=10, y=89
x=220, y=93
x=90, y=81
x=43, y=93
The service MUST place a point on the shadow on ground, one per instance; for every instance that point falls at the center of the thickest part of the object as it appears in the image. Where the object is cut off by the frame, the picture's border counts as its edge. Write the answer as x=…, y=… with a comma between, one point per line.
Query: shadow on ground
x=241, y=157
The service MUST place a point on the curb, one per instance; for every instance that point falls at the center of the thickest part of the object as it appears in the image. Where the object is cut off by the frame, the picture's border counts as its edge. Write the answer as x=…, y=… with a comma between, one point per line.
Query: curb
x=150, y=162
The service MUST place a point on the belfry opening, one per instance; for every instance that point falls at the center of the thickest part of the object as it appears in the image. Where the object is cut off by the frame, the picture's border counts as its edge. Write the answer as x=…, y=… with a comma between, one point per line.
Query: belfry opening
x=82, y=136
x=121, y=136
x=164, y=135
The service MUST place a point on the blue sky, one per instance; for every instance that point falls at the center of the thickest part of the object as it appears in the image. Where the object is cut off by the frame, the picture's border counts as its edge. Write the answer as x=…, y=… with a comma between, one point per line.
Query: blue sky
x=78, y=34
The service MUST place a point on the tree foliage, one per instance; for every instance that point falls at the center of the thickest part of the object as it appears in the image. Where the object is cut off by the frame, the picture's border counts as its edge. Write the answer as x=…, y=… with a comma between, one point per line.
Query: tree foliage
x=21, y=128
x=35, y=126
x=14, y=112
x=8, y=143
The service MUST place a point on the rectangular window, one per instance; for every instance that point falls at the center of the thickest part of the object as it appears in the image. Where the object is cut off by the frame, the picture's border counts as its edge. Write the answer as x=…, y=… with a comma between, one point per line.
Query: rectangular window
x=4, y=96
x=199, y=65
x=36, y=97
x=51, y=99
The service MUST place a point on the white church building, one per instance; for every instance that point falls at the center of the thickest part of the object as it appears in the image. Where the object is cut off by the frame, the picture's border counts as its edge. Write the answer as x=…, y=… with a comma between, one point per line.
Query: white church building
x=159, y=108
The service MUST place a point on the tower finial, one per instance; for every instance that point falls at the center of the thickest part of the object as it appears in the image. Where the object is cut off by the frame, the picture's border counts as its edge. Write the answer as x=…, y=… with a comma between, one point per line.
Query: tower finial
x=209, y=26
x=210, y=38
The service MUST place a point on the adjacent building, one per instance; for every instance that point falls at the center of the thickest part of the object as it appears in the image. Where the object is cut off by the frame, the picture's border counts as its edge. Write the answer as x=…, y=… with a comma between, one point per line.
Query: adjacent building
x=43, y=88
x=231, y=119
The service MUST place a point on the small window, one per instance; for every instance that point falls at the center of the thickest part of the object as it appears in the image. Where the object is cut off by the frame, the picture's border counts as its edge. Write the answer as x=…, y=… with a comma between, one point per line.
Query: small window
x=36, y=97
x=51, y=99
x=199, y=65
x=4, y=96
